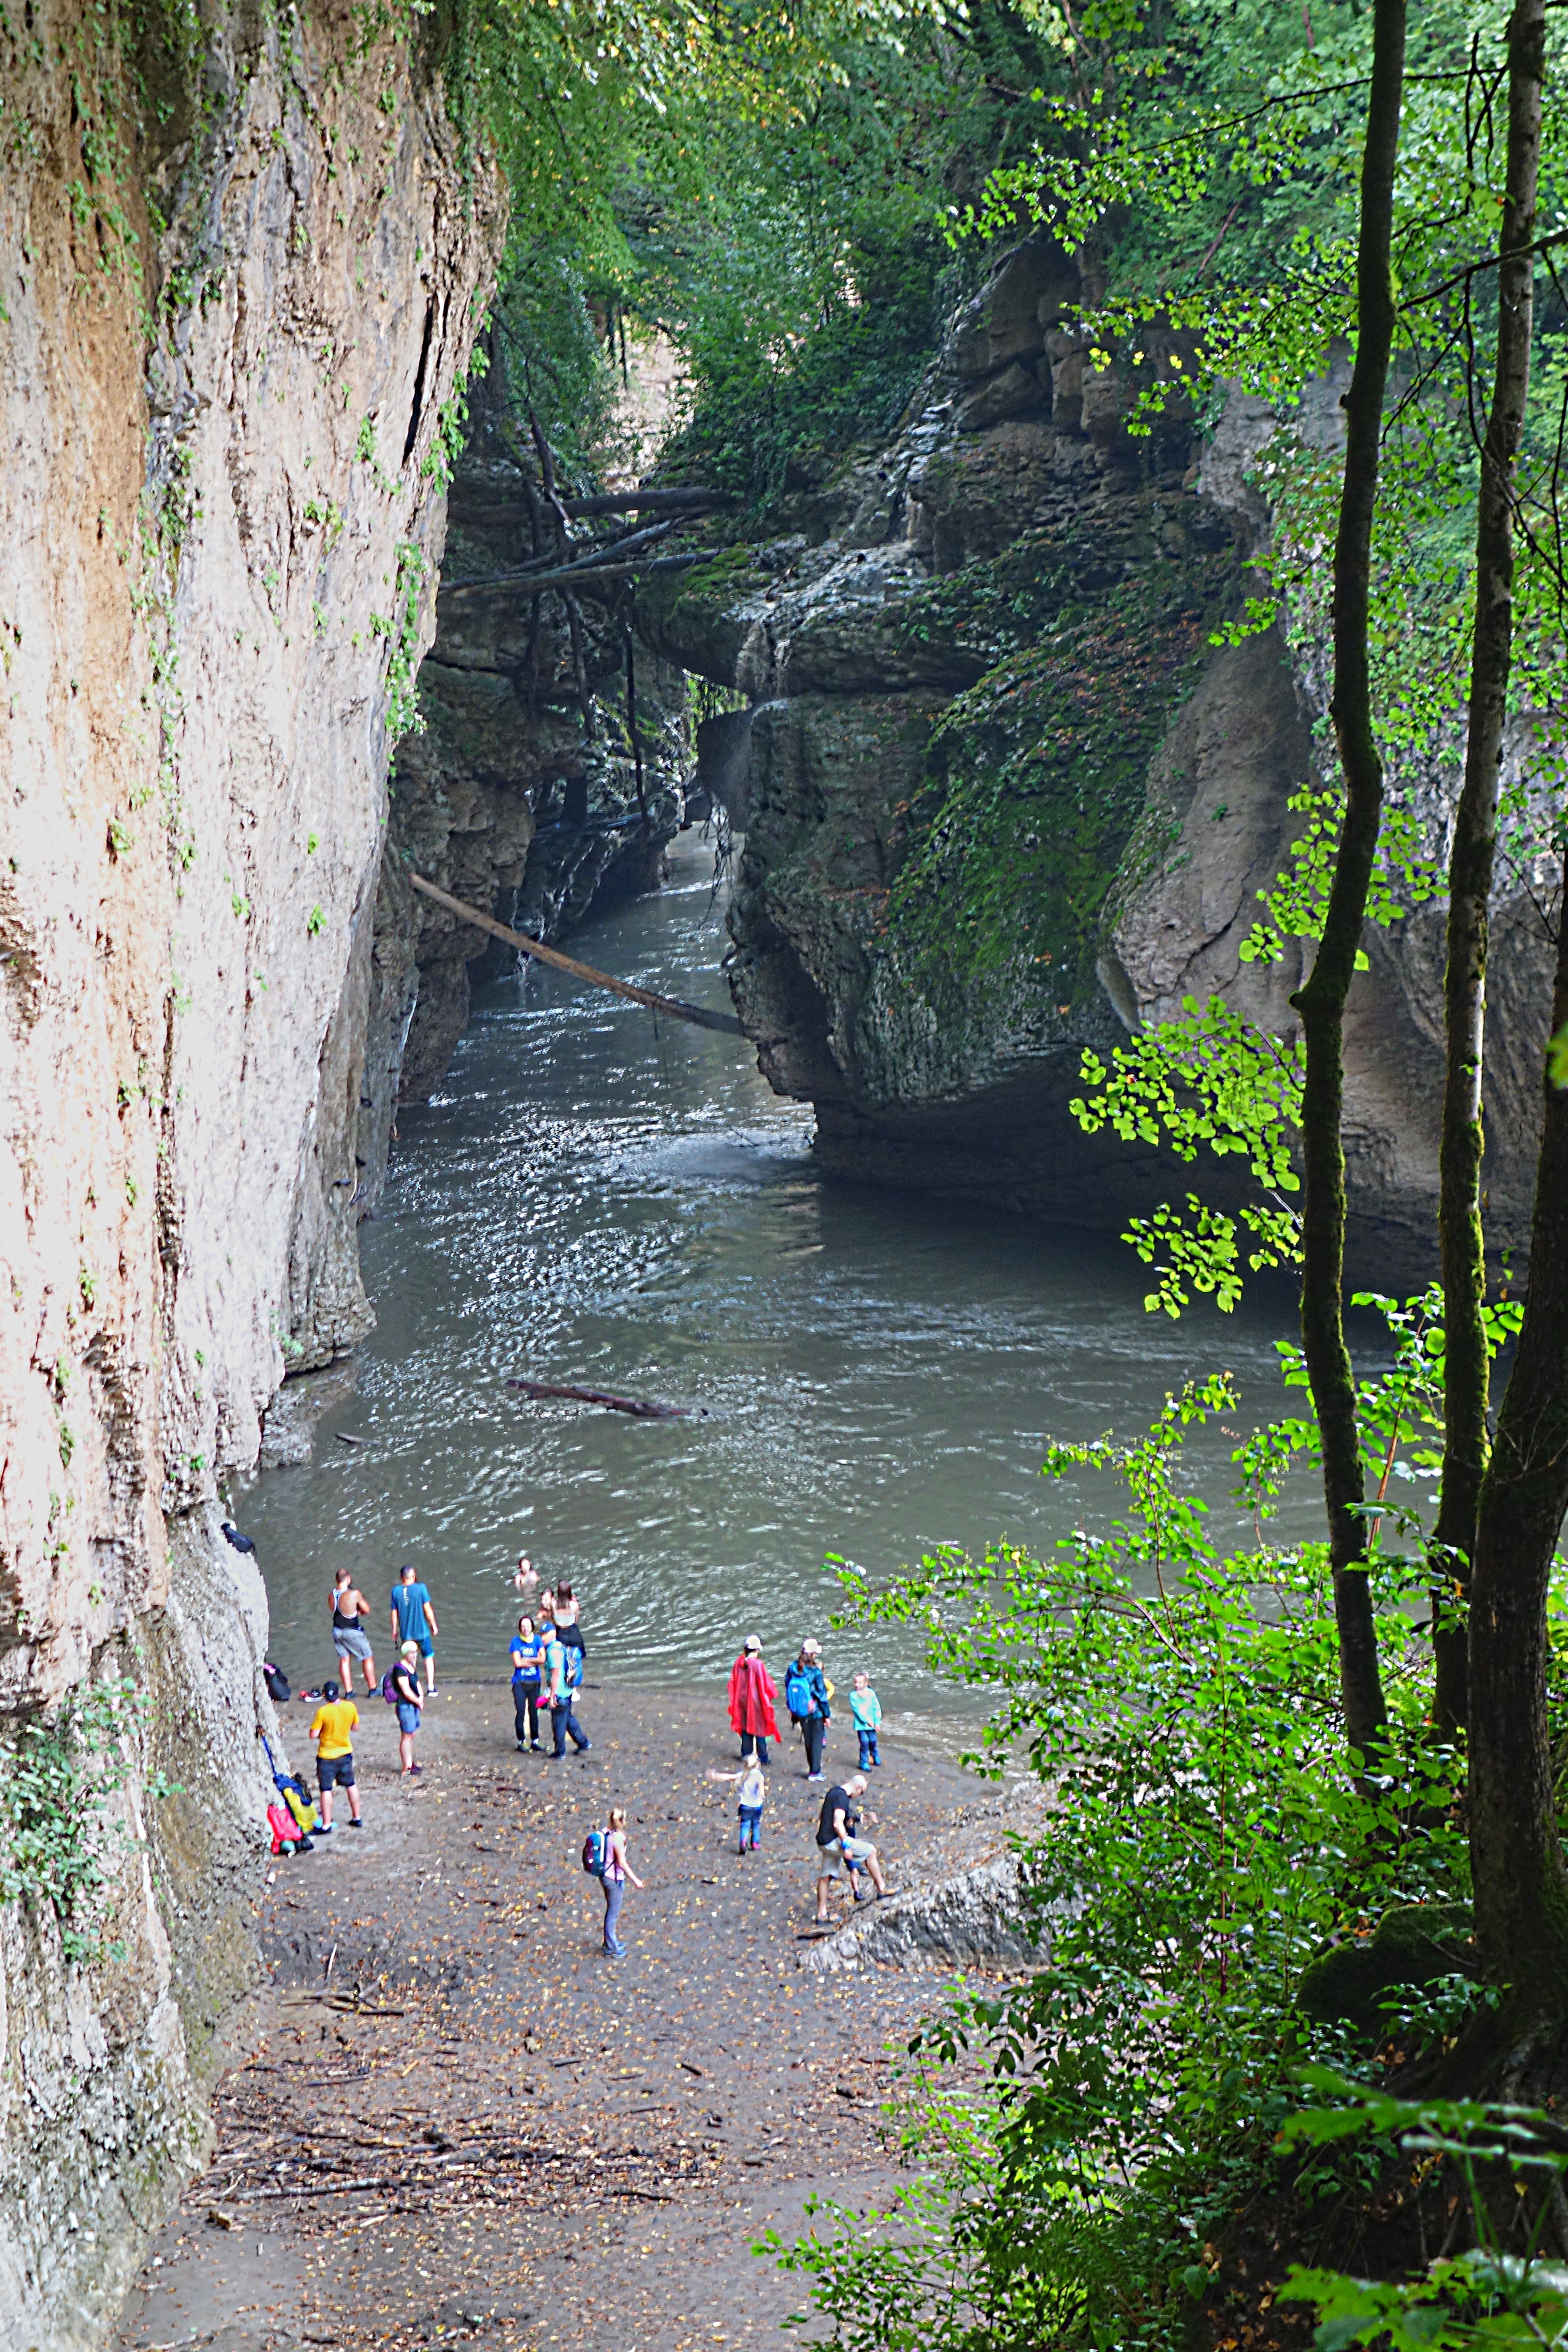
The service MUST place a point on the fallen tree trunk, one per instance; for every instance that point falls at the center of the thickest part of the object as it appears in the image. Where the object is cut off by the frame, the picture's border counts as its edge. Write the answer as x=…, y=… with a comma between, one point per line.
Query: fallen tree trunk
x=586, y=573
x=696, y=1013
x=637, y=1407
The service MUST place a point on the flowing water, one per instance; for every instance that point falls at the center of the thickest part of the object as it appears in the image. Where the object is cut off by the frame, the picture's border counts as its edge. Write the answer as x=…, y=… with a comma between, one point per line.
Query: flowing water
x=592, y=1198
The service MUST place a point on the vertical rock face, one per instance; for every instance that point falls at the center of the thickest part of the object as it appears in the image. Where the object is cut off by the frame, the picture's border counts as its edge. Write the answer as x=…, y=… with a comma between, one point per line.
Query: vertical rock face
x=1007, y=799
x=232, y=317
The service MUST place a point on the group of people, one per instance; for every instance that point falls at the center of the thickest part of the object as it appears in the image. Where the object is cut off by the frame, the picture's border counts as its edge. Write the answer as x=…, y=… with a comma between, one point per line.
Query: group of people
x=840, y=1851
x=546, y=1657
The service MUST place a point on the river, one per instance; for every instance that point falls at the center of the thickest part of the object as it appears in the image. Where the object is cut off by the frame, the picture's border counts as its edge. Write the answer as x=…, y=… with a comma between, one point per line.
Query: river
x=593, y=1198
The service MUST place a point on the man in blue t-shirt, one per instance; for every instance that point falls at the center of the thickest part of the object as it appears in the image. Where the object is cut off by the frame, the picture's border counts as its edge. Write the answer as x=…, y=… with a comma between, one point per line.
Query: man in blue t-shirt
x=413, y=1620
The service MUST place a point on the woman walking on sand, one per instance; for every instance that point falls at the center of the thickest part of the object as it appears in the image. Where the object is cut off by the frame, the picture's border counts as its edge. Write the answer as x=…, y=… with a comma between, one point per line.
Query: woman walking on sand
x=752, y=1691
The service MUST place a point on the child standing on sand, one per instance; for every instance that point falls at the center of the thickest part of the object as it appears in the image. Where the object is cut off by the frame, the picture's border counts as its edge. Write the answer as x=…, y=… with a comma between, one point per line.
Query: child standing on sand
x=866, y=1711
x=752, y=1784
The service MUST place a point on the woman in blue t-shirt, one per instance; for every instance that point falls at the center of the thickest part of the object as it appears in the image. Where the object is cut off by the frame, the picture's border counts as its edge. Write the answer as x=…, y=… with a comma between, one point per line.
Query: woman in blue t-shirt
x=528, y=1650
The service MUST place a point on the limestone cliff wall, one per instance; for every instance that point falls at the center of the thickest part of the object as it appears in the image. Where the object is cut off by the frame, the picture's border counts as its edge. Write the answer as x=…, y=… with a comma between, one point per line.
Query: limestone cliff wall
x=1006, y=799
x=241, y=275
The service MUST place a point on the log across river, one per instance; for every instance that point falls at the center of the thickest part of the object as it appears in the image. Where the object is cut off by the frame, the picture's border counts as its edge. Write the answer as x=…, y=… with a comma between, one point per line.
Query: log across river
x=595, y=1203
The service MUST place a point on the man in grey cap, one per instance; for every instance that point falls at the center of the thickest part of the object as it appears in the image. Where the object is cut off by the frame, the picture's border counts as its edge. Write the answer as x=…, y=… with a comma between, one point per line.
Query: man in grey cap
x=752, y=1692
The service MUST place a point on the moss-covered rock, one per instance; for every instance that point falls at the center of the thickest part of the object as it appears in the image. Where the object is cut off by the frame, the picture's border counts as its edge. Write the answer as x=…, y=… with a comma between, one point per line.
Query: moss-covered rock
x=1412, y=1944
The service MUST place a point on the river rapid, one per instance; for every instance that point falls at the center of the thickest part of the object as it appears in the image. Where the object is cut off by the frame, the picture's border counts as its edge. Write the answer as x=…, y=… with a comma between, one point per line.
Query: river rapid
x=595, y=1198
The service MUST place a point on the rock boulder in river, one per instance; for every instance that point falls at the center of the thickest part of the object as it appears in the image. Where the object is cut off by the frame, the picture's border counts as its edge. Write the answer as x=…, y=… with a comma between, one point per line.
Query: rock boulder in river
x=1005, y=798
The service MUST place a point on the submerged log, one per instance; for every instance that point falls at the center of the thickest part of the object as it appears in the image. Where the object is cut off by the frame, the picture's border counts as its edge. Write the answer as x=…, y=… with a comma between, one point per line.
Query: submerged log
x=639, y=1407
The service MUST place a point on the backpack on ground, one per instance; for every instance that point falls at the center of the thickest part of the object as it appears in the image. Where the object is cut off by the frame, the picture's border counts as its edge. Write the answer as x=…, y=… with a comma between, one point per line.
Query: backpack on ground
x=277, y=1682
x=287, y=1837
x=296, y=1796
x=798, y=1692
x=596, y=1853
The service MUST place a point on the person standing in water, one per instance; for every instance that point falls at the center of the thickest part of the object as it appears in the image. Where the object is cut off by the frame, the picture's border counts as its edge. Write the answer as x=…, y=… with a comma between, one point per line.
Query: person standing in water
x=413, y=1620
x=752, y=1692
x=617, y=1870
x=528, y=1575
x=350, y=1612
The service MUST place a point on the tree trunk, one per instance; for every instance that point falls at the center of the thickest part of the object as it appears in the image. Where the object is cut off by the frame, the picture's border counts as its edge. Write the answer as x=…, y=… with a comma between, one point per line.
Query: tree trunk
x=1470, y=877
x=1516, y=1852
x=1321, y=1002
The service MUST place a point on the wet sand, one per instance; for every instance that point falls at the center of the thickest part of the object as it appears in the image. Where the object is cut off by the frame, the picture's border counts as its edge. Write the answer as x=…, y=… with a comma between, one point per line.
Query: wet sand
x=459, y=2121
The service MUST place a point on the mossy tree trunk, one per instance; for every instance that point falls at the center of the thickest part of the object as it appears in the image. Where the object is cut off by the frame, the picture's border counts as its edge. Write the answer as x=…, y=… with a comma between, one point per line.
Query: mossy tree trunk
x=1470, y=866
x=1516, y=1850
x=1322, y=1002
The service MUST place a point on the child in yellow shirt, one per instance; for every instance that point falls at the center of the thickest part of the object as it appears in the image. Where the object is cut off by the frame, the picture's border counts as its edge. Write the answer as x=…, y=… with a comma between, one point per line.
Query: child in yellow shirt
x=332, y=1729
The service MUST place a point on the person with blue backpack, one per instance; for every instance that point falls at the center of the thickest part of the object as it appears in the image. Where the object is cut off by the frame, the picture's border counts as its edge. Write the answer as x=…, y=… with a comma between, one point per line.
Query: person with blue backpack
x=604, y=1858
x=808, y=1694
x=563, y=1680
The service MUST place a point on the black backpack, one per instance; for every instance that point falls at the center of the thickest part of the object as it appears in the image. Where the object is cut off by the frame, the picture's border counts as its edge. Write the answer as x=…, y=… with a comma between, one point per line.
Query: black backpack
x=277, y=1682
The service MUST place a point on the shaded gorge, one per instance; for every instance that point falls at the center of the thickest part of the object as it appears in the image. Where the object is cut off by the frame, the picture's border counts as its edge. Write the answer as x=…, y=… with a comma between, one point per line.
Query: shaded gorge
x=594, y=1198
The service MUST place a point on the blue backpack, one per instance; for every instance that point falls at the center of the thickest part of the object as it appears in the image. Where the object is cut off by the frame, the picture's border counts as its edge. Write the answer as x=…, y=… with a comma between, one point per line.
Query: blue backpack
x=798, y=1692
x=596, y=1853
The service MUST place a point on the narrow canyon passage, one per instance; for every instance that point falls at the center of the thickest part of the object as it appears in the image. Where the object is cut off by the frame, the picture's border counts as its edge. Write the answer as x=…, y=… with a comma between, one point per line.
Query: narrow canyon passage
x=869, y=1373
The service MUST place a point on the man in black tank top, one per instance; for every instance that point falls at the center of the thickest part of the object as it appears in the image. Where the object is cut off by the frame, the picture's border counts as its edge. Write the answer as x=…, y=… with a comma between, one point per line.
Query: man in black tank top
x=350, y=1639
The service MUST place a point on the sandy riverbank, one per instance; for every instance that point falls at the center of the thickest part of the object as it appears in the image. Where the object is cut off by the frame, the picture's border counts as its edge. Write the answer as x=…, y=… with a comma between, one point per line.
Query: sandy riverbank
x=459, y=2120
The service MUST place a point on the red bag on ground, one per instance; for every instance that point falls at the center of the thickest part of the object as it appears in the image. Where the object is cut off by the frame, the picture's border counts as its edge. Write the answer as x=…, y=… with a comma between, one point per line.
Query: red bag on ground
x=287, y=1832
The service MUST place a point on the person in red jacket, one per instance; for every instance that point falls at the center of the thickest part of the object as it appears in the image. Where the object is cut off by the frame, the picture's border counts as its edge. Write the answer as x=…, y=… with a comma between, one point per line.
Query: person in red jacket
x=752, y=1692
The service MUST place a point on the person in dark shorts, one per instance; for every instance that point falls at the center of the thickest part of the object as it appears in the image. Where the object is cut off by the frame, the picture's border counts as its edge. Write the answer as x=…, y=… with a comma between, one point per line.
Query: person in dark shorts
x=332, y=1729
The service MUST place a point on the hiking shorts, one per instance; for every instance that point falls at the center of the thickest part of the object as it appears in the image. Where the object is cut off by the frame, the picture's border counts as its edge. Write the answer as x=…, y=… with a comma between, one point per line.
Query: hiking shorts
x=833, y=1860
x=335, y=1771
x=349, y=1643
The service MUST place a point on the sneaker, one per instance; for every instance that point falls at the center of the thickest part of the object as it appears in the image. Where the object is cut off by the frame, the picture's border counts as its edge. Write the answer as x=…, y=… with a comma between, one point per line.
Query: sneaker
x=536, y=1748
x=816, y=1776
x=354, y=1824
x=325, y=1829
x=431, y=1691
x=583, y=1745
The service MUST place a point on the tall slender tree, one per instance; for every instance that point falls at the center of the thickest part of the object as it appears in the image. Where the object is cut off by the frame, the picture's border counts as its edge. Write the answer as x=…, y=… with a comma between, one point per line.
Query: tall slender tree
x=1321, y=1001
x=1471, y=863
x=1516, y=1848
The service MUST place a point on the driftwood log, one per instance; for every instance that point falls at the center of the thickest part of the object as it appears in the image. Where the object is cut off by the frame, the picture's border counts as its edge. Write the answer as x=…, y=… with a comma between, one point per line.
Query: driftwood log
x=639, y=1407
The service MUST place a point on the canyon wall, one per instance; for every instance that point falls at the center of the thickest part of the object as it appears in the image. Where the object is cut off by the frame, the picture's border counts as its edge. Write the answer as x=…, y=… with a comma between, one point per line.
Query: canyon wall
x=1006, y=799
x=242, y=270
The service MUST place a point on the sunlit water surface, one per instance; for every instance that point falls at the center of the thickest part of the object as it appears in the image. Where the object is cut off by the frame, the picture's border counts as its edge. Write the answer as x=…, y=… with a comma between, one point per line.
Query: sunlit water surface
x=595, y=1199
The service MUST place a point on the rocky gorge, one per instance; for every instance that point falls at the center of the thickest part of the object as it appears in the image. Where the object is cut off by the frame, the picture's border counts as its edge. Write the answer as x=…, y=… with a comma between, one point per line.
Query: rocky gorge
x=1003, y=799
x=1012, y=789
